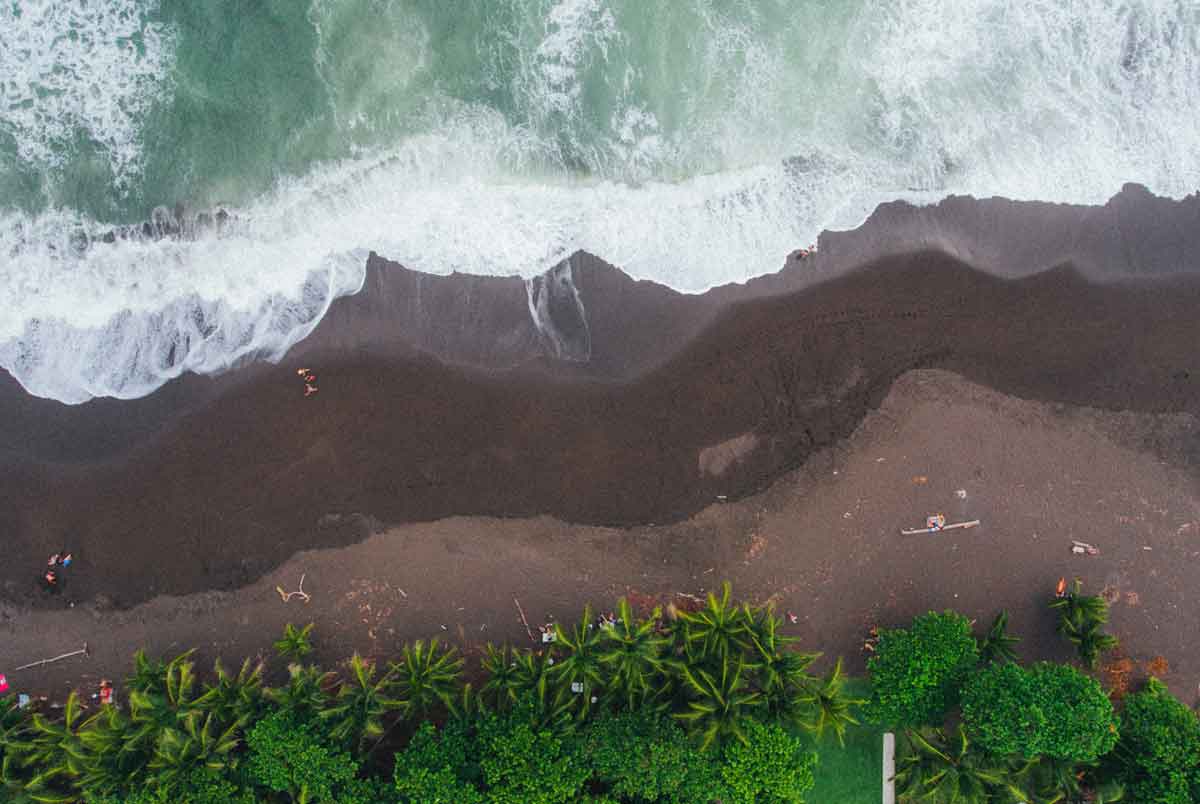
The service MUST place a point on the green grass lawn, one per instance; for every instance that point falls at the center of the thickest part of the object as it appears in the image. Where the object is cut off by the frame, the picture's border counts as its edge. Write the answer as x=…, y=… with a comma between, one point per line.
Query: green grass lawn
x=854, y=774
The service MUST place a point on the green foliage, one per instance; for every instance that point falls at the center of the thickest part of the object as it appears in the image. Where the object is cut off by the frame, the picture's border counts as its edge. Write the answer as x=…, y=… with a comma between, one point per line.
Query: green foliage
x=1081, y=619
x=433, y=767
x=997, y=644
x=1048, y=710
x=293, y=757
x=832, y=708
x=578, y=672
x=720, y=701
x=427, y=676
x=719, y=630
x=296, y=643
x=642, y=756
x=632, y=654
x=934, y=768
x=355, y=716
x=1158, y=755
x=198, y=787
x=525, y=764
x=771, y=766
x=916, y=672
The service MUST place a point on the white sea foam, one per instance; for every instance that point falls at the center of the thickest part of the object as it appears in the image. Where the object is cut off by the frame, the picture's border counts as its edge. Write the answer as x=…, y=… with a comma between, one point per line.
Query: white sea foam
x=1061, y=101
x=76, y=68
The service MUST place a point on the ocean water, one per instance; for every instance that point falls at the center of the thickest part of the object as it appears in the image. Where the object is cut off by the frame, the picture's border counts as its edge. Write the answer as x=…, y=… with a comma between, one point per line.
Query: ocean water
x=693, y=142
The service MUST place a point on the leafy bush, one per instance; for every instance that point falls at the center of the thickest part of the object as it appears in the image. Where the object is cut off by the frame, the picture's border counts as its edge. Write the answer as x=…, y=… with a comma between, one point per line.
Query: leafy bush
x=434, y=767
x=290, y=756
x=916, y=672
x=771, y=767
x=646, y=757
x=1158, y=755
x=1048, y=710
x=522, y=764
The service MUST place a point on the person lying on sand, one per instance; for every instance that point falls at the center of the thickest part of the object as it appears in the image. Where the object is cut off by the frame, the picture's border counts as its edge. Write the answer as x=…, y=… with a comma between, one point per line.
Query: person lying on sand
x=310, y=389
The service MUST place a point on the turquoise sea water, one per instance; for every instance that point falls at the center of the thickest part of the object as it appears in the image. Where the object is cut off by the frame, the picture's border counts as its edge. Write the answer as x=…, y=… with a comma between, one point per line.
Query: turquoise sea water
x=694, y=142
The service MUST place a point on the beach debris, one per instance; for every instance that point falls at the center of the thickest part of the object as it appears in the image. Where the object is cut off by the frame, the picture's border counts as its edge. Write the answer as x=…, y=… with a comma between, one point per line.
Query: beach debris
x=920, y=480
x=300, y=593
x=872, y=639
x=792, y=618
x=1147, y=547
x=936, y=523
x=81, y=652
x=689, y=597
x=524, y=621
x=1060, y=589
x=1080, y=548
x=722, y=498
x=961, y=494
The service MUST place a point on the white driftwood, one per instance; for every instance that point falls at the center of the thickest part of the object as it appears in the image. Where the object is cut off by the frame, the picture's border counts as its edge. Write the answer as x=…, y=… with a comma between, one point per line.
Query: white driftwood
x=953, y=526
x=40, y=662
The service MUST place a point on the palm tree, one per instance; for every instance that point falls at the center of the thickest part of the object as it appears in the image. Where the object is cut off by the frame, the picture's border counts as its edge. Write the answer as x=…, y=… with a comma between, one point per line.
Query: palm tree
x=831, y=707
x=304, y=694
x=782, y=672
x=296, y=644
x=719, y=629
x=1090, y=642
x=934, y=769
x=633, y=654
x=53, y=751
x=997, y=645
x=363, y=701
x=719, y=701
x=1080, y=620
x=148, y=674
x=1076, y=609
x=199, y=743
x=426, y=676
x=536, y=686
x=500, y=691
x=234, y=699
x=116, y=759
x=161, y=703
x=580, y=670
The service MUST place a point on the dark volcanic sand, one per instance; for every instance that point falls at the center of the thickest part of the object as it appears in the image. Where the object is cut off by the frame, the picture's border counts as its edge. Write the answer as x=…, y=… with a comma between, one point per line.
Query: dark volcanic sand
x=440, y=397
x=822, y=542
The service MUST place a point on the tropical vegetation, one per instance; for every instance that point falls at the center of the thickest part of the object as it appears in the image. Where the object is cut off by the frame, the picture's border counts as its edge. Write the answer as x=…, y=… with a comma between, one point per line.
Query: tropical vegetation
x=688, y=706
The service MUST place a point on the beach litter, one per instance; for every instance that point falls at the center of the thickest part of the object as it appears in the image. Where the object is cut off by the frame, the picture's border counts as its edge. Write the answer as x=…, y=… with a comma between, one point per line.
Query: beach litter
x=524, y=621
x=936, y=523
x=81, y=652
x=289, y=595
x=1081, y=548
x=961, y=494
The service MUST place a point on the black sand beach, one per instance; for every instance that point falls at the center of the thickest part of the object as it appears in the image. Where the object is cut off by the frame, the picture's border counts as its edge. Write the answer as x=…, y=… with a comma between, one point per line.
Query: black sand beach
x=617, y=403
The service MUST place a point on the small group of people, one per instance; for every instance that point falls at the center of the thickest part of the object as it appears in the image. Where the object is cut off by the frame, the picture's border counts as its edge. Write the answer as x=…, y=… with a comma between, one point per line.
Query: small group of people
x=310, y=381
x=54, y=567
x=805, y=253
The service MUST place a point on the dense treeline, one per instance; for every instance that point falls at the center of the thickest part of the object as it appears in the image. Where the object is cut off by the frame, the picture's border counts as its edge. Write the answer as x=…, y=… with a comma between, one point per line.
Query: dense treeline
x=709, y=705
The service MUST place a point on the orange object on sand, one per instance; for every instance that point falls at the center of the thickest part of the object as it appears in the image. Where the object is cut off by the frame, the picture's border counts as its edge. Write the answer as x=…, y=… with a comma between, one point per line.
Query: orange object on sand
x=1061, y=589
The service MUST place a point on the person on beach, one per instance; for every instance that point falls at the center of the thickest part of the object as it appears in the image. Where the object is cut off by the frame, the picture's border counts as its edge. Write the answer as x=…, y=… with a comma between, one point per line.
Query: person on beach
x=309, y=390
x=50, y=579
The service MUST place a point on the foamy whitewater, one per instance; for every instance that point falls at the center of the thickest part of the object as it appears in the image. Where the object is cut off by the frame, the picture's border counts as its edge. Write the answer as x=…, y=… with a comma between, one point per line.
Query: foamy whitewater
x=693, y=142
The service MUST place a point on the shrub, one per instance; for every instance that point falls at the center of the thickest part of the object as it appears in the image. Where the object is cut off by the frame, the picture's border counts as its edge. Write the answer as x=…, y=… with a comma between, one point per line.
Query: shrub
x=1049, y=710
x=916, y=673
x=1158, y=754
x=290, y=756
x=522, y=764
x=642, y=756
x=772, y=766
x=433, y=768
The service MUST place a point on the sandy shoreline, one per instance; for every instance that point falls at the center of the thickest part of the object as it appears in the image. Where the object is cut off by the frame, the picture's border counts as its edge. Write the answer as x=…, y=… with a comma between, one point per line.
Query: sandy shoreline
x=821, y=541
x=446, y=397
